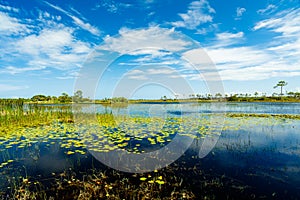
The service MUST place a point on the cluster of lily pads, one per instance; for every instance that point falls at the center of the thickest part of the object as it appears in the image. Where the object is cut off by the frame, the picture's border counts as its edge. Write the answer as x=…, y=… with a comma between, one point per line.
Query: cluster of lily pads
x=135, y=134
x=23, y=130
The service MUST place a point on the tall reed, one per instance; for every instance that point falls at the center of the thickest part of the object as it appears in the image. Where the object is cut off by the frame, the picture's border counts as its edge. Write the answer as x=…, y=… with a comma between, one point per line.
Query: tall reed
x=15, y=113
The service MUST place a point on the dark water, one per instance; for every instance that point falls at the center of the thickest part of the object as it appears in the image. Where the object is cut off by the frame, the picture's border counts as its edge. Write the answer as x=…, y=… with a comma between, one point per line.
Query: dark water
x=259, y=159
x=265, y=159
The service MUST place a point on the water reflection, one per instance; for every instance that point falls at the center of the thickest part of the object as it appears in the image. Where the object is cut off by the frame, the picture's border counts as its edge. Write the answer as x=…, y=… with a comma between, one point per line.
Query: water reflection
x=254, y=157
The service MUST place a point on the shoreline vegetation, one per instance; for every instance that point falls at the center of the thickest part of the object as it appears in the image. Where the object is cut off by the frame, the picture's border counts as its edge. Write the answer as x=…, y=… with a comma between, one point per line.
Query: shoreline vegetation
x=78, y=98
x=31, y=129
x=43, y=110
x=37, y=129
x=19, y=113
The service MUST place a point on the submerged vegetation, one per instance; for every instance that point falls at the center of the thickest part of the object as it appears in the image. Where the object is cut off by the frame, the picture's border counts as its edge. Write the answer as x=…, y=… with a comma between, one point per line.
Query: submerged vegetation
x=72, y=177
x=45, y=152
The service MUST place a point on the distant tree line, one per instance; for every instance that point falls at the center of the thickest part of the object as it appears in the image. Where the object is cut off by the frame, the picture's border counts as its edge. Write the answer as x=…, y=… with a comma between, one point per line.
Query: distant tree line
x=112, y=100
x=78, y=97
x=243, y=96
x=63, y=98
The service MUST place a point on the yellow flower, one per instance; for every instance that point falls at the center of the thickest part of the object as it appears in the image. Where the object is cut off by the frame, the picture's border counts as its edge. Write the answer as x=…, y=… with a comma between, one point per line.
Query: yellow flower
x=160, y=182
x=70, y=152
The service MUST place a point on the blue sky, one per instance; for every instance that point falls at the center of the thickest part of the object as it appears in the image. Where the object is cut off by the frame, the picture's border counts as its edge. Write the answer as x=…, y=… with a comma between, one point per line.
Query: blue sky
x=46, y=46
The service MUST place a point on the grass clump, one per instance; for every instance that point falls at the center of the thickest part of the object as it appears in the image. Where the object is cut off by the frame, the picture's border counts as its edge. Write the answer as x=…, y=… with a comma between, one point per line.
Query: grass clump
x=14, y=114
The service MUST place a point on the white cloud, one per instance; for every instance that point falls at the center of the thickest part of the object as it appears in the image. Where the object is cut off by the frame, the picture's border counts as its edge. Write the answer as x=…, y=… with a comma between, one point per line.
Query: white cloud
x=135, y=72
x=251, y=63
x=112, y=6
x=160, y=71
x=232, y=63
x=50, y=44
x=85, y=26
x=54, y=48
x=131, y=40
x=16, y=70
x=269, y=9
x=257, y=73
x=9, y=8
x=79, y=22
x=69, y=75
x=227, y=39
x=138, y=77
x=152, y=57
x=287, y=25
x=48, y=41
x=6, y=88
x=150, y=72
x=204, y=30
x=240, y=11
x=10, y=25
x=276, y=58
x=266, y=23
x=200, y=60
x=244, y=56
x=238, y=63
x=151, y=51
x=227, y=36
x=199, y=12
x=144, y=61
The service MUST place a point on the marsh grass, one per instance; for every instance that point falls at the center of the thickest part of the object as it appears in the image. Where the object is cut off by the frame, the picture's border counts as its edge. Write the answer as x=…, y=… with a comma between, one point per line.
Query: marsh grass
x=282, y=116
x=24, y=128
x=14, y=114
x=173, y=182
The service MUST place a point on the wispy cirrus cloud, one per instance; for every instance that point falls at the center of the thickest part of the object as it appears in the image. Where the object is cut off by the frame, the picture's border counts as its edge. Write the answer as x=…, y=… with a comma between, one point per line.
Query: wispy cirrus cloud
x=229, y=36
x=149, y=72
x=286, y=23
x=287, y=26
x=79, y=22
x=275, y=58
x=17, y=70
x=239, y=13
x=227, y=39
x=240, y=64
x=268, y=10
x=112, y=6
x=9, y=8
x=198, y=13
x=237, y=62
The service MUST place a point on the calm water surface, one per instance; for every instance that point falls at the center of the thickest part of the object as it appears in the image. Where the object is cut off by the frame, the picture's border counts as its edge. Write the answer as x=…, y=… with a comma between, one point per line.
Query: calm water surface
x=258, y=158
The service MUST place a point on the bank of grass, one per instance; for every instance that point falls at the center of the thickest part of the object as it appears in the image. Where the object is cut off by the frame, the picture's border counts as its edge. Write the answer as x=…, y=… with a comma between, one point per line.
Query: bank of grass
x=168, y=183
x=199, y=100
x=14, y=114
x=284, y=116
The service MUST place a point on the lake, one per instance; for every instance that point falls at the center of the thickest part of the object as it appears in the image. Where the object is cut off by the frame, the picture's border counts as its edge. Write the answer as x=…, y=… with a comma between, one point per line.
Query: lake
x=222, y=157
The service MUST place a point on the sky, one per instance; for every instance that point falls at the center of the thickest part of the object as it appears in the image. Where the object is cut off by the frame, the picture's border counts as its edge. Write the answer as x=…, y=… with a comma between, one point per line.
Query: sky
x=148, y=48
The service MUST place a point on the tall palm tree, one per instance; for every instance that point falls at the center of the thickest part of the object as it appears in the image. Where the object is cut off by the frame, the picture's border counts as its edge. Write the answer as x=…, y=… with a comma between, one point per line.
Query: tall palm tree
x=281, y=84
